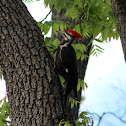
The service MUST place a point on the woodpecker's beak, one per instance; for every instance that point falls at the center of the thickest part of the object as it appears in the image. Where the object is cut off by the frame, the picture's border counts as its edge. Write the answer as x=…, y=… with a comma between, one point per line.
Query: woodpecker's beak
x=63, y=34
x=60, y=32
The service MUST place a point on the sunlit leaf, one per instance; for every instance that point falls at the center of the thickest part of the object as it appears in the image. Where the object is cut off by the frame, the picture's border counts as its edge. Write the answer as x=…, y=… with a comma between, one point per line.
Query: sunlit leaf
x=46, y=28
x=0, y=75
x=64, y=123
x=62, y=81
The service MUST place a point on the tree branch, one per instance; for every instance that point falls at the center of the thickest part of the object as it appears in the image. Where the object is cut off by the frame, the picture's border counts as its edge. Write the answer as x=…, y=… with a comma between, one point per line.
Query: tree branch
x=120, y=90
x=46, y=16
x=104, y=113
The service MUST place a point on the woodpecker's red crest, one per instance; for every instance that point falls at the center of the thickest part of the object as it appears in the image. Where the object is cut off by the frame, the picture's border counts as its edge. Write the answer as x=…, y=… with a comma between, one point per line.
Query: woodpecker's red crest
x=74, y=33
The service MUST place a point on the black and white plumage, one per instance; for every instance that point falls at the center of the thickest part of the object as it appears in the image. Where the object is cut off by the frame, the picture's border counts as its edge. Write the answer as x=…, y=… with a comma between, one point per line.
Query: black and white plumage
x=66, y=63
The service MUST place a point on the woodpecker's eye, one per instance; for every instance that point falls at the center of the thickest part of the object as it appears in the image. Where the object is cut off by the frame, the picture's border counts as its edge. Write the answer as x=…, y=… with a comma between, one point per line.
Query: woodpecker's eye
x=64, y=35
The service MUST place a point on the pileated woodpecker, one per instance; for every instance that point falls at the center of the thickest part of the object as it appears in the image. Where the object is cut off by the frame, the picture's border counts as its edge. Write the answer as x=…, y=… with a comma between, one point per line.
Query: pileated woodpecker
x=66, y=63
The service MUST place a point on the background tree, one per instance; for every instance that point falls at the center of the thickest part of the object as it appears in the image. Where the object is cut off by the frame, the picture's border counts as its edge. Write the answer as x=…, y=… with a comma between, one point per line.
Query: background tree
x=119, y=10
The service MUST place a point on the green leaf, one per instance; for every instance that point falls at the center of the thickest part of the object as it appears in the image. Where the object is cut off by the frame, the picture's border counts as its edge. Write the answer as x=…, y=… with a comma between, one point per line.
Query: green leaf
x=62, y=81
x=46, y=27
x=92, y=50
x=4, y=111
x=47, y=40
x=0, y=75
x=40, y=25
x=59, y=25
x=50, y=22
x=69, y=4
x=72, y=12
x=78, y=86
x=61, y=122
x=84, y=113
x=1, y=123
x=67, y=124
x=84, y=119
x=2, y=116
x=56, y=42
x=59, y=4
x=46, y=2
x=71, y=100
x=64, y=123
x=99, y=47
x=80, y=47
x=78, y=54
x=98, y=40
x=82, y=84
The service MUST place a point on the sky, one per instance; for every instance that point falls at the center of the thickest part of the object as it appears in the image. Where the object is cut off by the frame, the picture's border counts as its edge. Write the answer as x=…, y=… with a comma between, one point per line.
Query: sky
x=106, y=80
x=105, y=77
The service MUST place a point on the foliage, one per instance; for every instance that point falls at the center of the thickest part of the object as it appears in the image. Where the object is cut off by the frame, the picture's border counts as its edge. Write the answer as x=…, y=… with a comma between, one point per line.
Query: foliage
x=80, y=50
x=64, y=123
x=62, y=81
x=81, y=84
x=84, y=120
x=73, y=102
x=52, y=45
x=4, y=112
x=0, y=75
x=91, y=16
x=55, y=24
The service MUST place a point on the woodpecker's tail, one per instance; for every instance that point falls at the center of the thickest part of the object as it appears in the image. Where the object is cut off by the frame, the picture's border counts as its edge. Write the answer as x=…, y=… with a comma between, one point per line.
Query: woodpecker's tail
x=71, y=84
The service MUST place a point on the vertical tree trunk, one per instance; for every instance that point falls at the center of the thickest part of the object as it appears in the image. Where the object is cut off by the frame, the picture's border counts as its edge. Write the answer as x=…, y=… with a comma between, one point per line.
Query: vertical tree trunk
x=119, y=10
x=34, y=91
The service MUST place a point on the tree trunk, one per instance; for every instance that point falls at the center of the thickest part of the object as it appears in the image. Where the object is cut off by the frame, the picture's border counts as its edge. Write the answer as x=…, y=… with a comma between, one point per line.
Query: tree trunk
x=33, y=88
x=81, y=65
x=119, y=10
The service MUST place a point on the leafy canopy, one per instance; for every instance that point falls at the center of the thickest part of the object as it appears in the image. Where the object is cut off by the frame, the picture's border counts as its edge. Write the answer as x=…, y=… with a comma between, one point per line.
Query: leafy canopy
x=91, y=16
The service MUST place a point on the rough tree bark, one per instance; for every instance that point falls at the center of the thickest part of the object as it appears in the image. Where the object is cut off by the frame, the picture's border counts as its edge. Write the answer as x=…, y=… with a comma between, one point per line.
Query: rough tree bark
x=119, y=10
x=33, y=88
x=34, y=91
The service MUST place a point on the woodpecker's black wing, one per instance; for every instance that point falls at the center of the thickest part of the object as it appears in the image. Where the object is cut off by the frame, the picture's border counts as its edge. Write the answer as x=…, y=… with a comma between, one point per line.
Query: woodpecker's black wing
x=60, y=67
x=68, y=57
